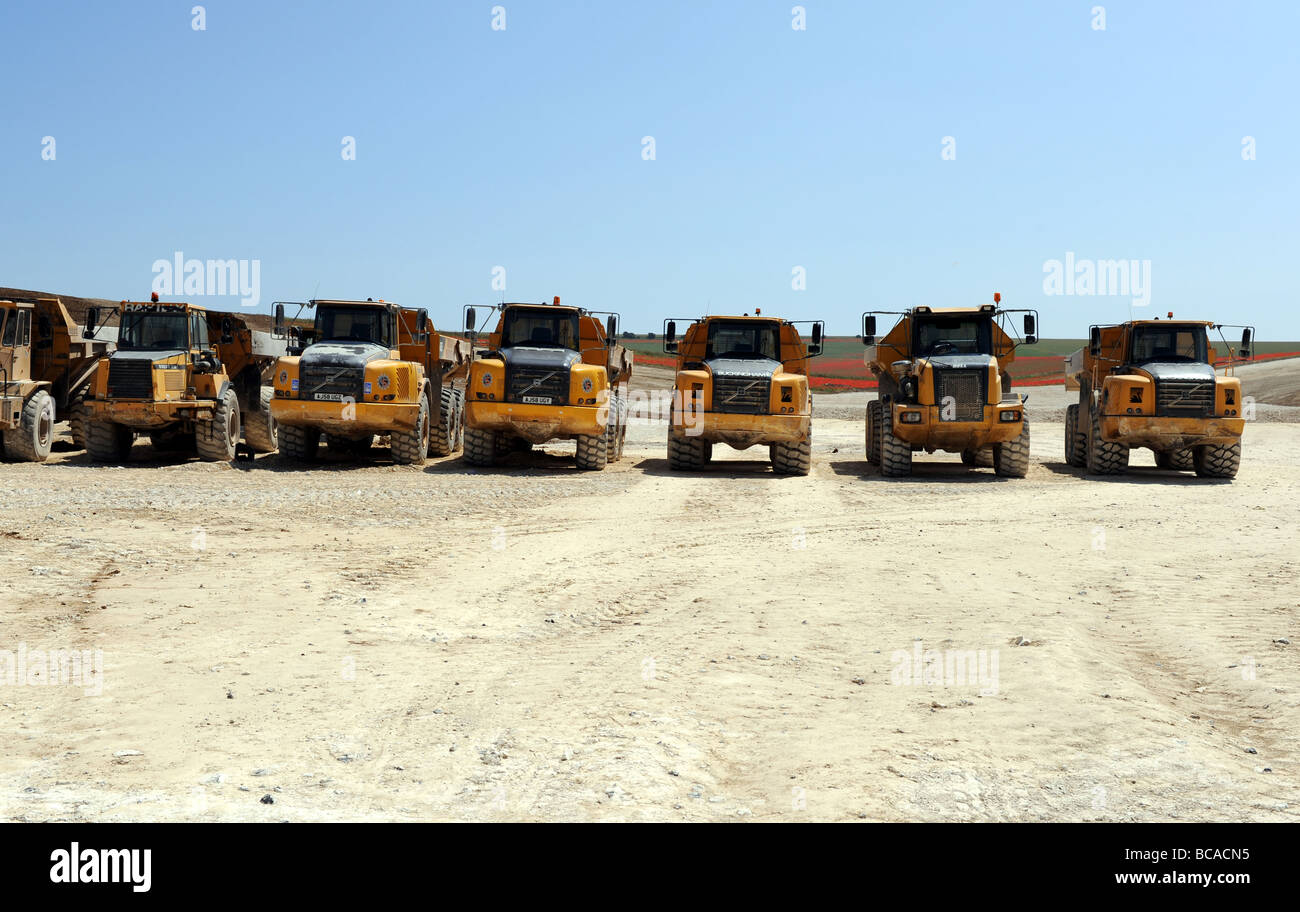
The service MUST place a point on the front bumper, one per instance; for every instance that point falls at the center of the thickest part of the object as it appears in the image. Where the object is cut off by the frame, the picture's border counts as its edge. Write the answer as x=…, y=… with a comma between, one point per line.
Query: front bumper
x=1163, y=433
x=741, y=431
x=931, y=433
x=537, y=423
x=150, y=414
x=375, y=417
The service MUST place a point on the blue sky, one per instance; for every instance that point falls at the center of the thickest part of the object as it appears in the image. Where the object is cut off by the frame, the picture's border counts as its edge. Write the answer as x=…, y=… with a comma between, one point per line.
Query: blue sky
x=774, y=148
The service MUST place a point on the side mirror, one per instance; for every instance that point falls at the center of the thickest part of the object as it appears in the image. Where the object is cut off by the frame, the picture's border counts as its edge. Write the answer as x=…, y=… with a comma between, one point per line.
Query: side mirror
x=868, y=329
x=278, y=329
x=92, y=322
x=611, y=329
x=422, y=322
x=670, y=336
x=227, y=331
x=816, y=347
x=471, y=323
x=1246, y=339
x=1031, y=329
x=1094, y=342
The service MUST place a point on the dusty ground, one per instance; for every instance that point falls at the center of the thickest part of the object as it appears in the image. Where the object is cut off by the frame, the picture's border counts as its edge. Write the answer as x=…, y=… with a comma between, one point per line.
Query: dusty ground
x=375, y=642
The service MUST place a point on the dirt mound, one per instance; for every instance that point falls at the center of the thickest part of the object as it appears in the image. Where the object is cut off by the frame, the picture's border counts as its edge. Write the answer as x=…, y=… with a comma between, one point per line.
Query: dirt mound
x=1272, y=382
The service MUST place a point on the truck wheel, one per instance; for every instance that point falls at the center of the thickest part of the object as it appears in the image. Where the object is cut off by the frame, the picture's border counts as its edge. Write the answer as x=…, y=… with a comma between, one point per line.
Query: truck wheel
x=217, y=439
x=260, y=432
x=298, y=442
x=895, y=454
x=1103, y=458
x=108, y=442
x=687, y=454
x=446, y=436
x=1076, y=442
x=411, y=446
x=981, y=458
x=78, y=417
x=1217, y=461
x=792, y=458
x=480, y=446
x=873, y=432
x=593, y=451
x=1011, y=457
x=32, y=439
x=1176, y=460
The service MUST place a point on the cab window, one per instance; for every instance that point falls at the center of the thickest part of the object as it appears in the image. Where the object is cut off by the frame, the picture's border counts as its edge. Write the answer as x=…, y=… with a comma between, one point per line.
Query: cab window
x=8, y=338
x=199, y=332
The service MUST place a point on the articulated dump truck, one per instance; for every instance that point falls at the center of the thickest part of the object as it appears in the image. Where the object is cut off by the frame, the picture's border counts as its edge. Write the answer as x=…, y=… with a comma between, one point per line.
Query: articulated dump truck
x=944, y=386
x=742, y=381
x=1152, y=383
x=189, y=378
x=549, y=372
x=46, y=369
x=365, y=369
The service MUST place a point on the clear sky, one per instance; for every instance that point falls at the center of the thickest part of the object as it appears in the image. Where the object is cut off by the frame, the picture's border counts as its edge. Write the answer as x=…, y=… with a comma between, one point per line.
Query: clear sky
x=774, y=148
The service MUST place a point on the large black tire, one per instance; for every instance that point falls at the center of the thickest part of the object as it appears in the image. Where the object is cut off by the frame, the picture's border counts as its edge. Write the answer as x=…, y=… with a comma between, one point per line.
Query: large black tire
x=108, y=442
x=32, y=439
x=792, y=458
x=480, y=446
x=1011, y=457
x=873, y=432
x=687, y=454
x=1076, y=441
x=1217, y=461
x=298, y=442
x=593, y=452
x=78, y=417
x=895, y=454
x=217, y=440
x=410, y=447
x=260, y=430
x=1176, y=460
x=448, y=435
x=981, y=458
x=1103, y=458
x=616, y=428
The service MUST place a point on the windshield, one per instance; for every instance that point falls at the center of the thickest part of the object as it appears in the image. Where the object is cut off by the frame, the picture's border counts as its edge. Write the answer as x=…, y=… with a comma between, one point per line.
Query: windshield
x=167, y=331
x=540, y=329
x=1169, y=343
x=954, y=335
x=352, y=324
x=743, y=340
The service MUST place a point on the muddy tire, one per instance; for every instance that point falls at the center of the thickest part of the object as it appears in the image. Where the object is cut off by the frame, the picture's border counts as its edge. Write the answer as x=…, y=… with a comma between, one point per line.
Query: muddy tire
x=298, y=442
x=260, y=429
x=32, y=439
x=687, y=454
x=78, y=417
x=873, y=432
x=792, y=458
x=448, y=435
x=1076, y=441
x=1217, y=461
x=593, y=452
x=1176, y=460
x=1103, y=458
x=895, y=454
x=981, y=458
x=216, y=440
x=411, y=446
x=1011, y=457
x=616, y=427
x=480, y=446
x=108, y=442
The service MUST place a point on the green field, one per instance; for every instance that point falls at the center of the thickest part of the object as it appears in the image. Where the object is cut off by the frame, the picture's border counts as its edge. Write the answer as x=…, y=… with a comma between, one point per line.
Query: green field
x=851, y=347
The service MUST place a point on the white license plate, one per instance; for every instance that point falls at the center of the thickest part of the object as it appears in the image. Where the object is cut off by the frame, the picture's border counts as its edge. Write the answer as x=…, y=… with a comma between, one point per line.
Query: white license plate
x=537, y=400
x=329, y=397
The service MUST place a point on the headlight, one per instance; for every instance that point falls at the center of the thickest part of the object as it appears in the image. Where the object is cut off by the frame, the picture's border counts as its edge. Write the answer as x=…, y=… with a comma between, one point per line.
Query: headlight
x=911, y=417
x=1008, y=416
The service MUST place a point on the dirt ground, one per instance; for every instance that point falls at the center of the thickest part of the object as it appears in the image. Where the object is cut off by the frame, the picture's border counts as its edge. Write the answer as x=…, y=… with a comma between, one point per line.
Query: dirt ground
x=372, y=642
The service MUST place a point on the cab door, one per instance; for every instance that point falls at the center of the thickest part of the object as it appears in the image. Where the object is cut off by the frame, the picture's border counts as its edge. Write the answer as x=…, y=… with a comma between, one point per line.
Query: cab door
x=16, y=344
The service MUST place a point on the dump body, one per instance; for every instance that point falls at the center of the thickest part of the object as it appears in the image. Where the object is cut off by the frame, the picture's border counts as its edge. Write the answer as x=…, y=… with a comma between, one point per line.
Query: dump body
x=369, y=368
x=943, y=385
x=1152, y=384
x=548, y=372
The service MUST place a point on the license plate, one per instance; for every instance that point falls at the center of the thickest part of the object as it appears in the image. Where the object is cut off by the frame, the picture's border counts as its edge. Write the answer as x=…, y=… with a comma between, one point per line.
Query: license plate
x=537, y=400
x=329, y=397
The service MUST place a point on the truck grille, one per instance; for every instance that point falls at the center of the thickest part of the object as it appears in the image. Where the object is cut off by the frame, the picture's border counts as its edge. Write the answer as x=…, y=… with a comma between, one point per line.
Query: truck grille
x=538, y=383
x=966, y=390
x=1193, y=398
x=741, y=395
x=324, y=380
x=130, y=379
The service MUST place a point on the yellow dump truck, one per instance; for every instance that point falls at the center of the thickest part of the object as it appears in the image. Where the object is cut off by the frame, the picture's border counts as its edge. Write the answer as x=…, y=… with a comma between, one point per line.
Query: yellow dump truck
x=943, y=385
x=187, y=377
x=549, y=372
x=1152, y=383
x=365, y=369
x=46, y=369
x=742, y=381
